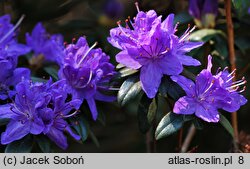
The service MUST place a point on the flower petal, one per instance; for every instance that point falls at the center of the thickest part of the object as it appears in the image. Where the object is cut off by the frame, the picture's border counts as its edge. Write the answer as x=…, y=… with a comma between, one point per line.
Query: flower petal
x=170, y=65
x=168, y=24
x=207, y=113
x=150, y=79
x=15, y=130
x=58, y=137
x=93, y=109
x=186, y=84
x=124, y=58
x=209, y=63
x=5, y=112
x=188, y=60
x=185, y=105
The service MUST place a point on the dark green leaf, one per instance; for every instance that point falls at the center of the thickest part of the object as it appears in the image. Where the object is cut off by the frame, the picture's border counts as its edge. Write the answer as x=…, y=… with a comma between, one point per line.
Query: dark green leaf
x=37, y=79
x=172, y=88
x=44, y=143
x=242, y=43
x=152, y=110
x=132, y=93
x=119, y=66
x=182, y=17
x=126, y=72
x=4, y=122
x=142, y=113
x=198, y=123
x=226, y=124
x=127, y=84
x=20, y=146
x=52, y=72
x=93, y=137
x=205, y=34
x=241, y=6
x=170, y=124
x=81, y=127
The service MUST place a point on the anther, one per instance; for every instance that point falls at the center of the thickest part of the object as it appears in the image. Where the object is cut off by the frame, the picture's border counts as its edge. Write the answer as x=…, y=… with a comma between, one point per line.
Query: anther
x=137, y=6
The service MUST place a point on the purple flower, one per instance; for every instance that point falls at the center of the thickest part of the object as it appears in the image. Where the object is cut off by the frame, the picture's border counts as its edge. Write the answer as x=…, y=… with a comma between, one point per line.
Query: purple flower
x=204, y=11
x=208, y=94
x=113, y=8
x=86, y=72
x=9, y=52
x=198, y=8
x=151, y=45
x=39, y=108
x=8, y=42
x=49, y=46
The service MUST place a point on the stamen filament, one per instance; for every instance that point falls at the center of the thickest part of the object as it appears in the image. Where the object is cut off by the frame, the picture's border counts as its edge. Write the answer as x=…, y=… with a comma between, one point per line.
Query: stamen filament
x=87, y=53
x=13, y=29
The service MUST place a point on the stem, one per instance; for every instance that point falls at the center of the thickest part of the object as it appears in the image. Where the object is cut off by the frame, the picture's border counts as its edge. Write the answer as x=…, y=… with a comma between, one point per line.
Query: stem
x=232, y=59
x=188, y=139
x=180, y=135
x=150, y=141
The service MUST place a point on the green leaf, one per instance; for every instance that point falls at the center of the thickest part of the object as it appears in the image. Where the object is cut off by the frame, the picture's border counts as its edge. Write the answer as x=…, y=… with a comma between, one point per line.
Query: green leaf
x=81, y=126
x=94, y=138
x=182, y=18
x=198, y=123
x=242, y=43
x=152, y=110
x=227, y=125
x=4, y=122
x=127, y=84
x=142, y=113
x=52, y=72
x=38, y=79
x=170, y=124
x=241, y=6
x=124, y=72
x=168, y=87
x=132, y=93
x=129, y=90
x=119, y=66
x=205, y=34
x=20, y=146
x=44, y=143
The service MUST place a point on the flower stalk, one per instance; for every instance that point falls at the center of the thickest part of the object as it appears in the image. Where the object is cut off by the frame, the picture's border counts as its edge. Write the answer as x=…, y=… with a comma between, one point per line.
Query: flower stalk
x=232, y=59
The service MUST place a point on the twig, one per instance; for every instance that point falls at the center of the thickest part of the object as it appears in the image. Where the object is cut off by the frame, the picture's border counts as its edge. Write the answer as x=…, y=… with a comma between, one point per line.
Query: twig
x=188, y=139
x=150, y=141
x=180, y=135
x=232, y=59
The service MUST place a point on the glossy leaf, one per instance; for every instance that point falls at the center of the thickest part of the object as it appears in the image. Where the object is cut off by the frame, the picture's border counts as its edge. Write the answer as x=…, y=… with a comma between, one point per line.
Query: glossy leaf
x=142, y=114
x=152, y=110
x=205, y=34
x=132, y=93
x=170, y=124
x=4, y=122
x=44, y=143
x=20, y=146
x=227, y=125
x=127, y=84
x=52, y=72
x=124, y=72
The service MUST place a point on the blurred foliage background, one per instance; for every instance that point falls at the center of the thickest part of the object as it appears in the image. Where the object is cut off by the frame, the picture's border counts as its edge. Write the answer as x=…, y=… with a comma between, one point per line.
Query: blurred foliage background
x=118, y=130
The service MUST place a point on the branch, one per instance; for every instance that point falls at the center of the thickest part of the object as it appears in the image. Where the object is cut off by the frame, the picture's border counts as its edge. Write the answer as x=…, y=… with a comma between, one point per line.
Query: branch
x=232, y=59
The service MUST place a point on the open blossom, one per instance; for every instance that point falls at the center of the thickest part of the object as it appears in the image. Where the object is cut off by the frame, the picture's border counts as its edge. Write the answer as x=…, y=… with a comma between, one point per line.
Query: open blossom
x=209, y=93
x=10, y=49
x=204, y=12
x=86, y=72
x=38, y=108
x=50, y=47
x=151, y=45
